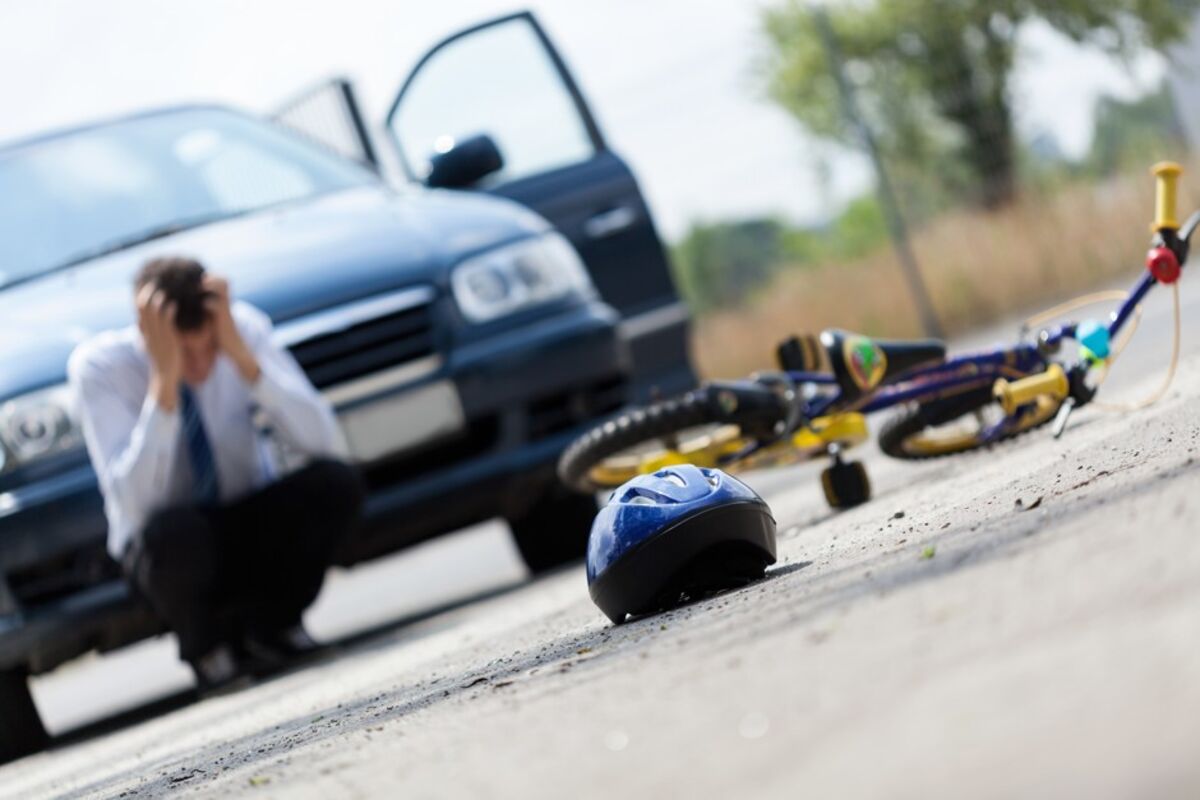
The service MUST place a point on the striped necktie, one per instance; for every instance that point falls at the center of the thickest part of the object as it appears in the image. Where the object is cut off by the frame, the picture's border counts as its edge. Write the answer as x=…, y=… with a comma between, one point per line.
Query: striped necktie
x=199, y=449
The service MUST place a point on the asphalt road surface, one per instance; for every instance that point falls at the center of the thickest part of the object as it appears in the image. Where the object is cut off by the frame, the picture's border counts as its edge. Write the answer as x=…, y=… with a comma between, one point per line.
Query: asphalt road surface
x=1023, y=622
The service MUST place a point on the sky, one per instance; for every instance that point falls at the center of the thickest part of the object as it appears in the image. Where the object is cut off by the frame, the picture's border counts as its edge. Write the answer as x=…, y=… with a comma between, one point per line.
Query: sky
x=674, y=83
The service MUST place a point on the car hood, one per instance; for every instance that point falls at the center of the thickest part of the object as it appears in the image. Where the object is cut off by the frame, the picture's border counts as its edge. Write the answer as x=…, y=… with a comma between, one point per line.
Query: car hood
x=288, y=261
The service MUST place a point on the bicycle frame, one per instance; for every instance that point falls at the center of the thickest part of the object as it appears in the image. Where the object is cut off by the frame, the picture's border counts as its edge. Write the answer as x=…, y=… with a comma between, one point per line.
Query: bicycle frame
x=972, y=370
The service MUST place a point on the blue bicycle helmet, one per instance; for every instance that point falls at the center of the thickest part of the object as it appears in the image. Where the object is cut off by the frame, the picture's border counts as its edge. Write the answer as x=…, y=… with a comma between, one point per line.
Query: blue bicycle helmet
x=683, y=531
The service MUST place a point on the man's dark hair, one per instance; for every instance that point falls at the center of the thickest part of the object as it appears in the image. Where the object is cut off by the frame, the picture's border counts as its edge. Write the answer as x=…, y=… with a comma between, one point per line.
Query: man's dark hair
x=182, y=281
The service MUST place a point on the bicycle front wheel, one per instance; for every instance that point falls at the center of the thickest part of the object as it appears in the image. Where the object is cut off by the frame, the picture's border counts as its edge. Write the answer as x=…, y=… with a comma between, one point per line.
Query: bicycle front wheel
x=956, y=424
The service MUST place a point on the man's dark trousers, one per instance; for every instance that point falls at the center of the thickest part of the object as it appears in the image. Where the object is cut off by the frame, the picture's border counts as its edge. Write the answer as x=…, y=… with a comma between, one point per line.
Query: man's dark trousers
x=216, y=575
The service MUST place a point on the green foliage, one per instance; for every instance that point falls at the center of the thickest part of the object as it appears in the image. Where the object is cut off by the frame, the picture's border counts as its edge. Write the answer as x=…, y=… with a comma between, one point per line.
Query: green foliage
x=860, y=228
x=1134, y=133
x=717, y=264
x=931, y=76
x=721, y=264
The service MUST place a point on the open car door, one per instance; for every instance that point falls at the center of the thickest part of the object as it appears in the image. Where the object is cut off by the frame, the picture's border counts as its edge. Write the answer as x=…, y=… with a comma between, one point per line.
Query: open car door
x=328, y=114
x=494, y=109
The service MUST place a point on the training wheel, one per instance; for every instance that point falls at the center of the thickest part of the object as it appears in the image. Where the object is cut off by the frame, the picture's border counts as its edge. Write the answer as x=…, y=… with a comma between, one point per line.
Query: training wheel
x=846, y=484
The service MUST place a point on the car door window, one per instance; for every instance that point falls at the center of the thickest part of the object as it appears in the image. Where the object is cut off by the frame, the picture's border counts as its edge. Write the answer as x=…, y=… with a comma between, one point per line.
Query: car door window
x=500, y=81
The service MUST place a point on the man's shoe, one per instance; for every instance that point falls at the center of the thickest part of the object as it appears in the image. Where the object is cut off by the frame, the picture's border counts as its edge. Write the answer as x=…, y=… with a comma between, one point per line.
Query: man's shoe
x=275, y=651
x=215, y=670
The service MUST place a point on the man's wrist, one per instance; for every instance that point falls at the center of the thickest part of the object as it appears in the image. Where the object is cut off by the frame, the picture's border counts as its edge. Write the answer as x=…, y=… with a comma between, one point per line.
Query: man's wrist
x=247, y=364
x=165, y=392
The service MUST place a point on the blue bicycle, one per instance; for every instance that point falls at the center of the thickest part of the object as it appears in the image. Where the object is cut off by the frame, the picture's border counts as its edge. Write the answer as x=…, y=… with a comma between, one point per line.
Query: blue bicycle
x=816, y=403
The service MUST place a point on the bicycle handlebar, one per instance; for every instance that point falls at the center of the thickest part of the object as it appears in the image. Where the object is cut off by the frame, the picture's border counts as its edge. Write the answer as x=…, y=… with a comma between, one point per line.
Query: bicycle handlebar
x=1011, y=395
x=1166, y=195
x=1170, y=247
x=1189, y=227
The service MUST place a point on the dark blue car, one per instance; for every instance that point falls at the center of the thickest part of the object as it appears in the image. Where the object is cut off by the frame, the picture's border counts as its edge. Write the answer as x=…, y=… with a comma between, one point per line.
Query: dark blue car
x=465, y=330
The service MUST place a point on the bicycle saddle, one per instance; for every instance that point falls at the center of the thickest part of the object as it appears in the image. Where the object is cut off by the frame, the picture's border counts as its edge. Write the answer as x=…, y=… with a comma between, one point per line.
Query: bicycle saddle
x=861, y=363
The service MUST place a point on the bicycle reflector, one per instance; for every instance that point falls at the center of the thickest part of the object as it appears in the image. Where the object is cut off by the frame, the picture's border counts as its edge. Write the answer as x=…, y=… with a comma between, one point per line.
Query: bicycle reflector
x=1163, y=264
x=1093, y=340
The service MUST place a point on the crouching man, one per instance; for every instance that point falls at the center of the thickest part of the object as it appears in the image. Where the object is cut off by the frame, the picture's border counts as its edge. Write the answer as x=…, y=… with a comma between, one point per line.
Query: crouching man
x=226, y=550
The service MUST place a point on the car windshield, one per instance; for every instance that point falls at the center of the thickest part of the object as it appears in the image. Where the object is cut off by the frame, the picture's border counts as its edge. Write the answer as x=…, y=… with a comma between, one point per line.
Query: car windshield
x=70, y=197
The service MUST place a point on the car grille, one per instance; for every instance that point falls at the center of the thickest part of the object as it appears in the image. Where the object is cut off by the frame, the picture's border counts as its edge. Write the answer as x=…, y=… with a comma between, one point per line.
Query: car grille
x=567, y=409
x=367, y=347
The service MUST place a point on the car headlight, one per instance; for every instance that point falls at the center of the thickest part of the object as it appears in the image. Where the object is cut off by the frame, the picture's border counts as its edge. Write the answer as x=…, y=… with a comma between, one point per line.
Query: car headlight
x=515, y=277
x=37, y=425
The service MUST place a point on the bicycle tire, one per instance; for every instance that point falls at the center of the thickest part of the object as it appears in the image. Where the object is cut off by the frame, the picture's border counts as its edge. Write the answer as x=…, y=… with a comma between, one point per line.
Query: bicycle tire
x=897, y=432
x=637, y=426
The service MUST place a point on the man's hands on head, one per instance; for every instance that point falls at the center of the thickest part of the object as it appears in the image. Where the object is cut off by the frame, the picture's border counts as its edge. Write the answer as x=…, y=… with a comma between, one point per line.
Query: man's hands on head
x=156, y=319
x=229, y=338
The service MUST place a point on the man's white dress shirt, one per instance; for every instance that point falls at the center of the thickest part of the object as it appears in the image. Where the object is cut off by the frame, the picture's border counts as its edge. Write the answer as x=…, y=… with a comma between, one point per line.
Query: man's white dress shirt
x=138, y=450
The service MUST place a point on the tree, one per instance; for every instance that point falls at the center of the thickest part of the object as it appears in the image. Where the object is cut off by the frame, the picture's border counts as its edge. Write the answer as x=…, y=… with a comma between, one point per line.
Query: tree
x=1134, y=132
x=718, y=264
x=932, y=76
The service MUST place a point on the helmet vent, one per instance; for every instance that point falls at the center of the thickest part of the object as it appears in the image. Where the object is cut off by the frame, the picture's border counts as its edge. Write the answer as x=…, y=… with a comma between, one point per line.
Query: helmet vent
x=676, y=479
x=644, y=496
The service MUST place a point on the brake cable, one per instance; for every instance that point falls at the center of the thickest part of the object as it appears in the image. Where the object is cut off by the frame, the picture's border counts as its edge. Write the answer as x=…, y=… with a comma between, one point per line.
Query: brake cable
x=1165, y=386
x=1115, y=294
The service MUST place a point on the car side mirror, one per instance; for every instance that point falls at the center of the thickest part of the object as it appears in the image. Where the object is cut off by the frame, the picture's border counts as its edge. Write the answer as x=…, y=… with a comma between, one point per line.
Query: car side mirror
x=465, y=163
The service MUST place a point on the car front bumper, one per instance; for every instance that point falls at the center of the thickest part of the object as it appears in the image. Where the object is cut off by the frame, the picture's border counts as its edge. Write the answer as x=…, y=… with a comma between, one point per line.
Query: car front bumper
x=524, y=394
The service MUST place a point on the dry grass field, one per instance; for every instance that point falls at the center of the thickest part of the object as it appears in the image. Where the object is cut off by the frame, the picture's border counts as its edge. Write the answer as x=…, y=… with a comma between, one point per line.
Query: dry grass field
x=979, y=267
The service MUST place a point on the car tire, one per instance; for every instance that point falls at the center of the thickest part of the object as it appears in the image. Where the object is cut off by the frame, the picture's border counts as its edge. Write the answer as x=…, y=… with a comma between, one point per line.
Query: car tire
x=555, y=530
x=21, y=731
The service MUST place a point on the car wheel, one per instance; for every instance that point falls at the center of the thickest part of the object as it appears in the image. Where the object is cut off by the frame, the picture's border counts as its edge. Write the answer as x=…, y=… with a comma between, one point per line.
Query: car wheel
x=21, y=732
x=555, y=530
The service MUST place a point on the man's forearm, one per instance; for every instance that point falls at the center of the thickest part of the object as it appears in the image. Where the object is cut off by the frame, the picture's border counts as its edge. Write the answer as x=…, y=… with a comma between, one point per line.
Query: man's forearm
x=137, y=471
x=297, y=410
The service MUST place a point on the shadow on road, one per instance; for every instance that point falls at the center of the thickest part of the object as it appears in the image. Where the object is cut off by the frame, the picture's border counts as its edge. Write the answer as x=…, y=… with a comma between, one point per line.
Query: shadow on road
x=359, y=641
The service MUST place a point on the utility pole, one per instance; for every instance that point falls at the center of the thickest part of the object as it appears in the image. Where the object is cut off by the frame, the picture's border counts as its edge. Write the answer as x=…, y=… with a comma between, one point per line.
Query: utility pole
x=887, y=197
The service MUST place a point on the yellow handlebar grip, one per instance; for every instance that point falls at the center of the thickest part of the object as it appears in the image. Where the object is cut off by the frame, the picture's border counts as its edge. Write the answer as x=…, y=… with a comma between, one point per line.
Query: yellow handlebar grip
x=1166, y=175
x=1012, y=395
